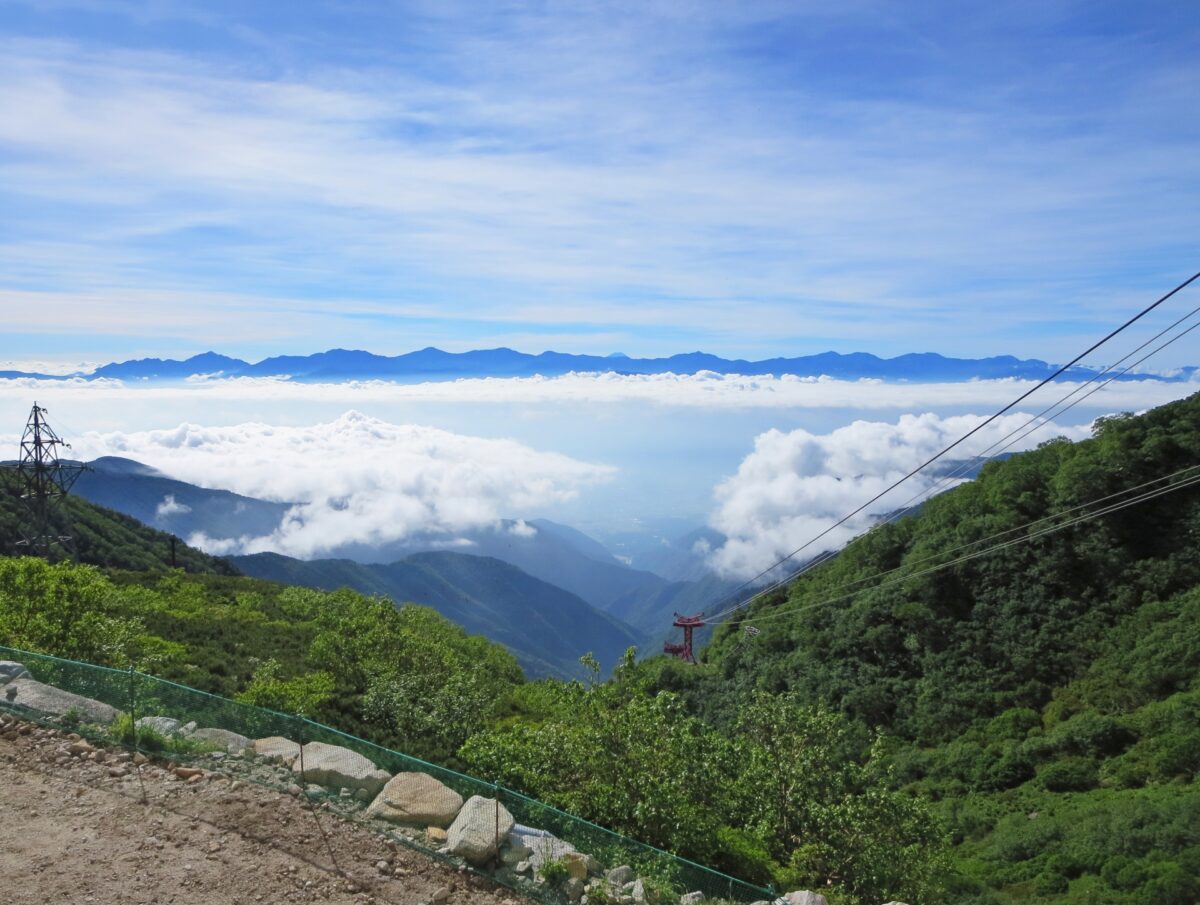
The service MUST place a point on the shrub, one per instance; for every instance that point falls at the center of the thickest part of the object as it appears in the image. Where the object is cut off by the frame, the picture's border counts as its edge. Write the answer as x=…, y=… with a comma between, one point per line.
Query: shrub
x=1074, y=774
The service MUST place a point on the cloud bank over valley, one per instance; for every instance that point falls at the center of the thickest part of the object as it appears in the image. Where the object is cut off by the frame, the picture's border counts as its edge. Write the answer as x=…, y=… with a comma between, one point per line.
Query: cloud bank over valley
x=356, y=479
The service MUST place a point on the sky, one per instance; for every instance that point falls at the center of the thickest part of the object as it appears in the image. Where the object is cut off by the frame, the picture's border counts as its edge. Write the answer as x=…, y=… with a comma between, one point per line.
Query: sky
x=747, y=179
x=648, y=178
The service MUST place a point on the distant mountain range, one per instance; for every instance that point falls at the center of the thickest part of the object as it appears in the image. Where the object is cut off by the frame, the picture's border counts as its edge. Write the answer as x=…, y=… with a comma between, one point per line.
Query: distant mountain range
x=432, y=364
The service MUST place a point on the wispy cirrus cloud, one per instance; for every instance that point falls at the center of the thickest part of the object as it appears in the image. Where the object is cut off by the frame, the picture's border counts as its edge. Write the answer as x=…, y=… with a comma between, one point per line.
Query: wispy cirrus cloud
x=712, y=176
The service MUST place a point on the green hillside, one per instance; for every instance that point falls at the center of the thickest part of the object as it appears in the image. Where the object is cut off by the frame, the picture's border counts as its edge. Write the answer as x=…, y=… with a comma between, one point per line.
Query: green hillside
x=1047, y=695
x=546, y=627
x=102, y=536
x=1023, y=727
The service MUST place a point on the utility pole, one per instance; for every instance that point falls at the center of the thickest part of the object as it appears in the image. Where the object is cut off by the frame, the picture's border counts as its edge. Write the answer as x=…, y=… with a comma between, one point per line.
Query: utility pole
x=45, y=482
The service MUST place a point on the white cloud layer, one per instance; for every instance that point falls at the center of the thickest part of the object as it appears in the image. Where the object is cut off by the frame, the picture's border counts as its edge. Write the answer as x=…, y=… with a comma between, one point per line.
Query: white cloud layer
x=356, y=479
x=702, y=390
x=794, y=485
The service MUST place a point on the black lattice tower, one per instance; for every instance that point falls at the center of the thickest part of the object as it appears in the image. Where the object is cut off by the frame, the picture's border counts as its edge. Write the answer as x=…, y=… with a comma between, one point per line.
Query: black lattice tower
x=45, y=482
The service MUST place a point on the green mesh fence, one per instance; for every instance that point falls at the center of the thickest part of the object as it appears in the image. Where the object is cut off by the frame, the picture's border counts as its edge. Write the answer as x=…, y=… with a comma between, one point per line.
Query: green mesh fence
x=515, y=840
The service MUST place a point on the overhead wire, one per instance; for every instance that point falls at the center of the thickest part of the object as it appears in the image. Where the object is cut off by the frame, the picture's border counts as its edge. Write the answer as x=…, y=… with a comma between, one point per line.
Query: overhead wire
x=1046, y=415
x=997, y=535
x=1149, y=495
x=731, y=595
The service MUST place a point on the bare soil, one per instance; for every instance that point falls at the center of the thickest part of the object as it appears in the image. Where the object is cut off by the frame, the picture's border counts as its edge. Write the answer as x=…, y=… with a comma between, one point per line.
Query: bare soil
x=73, y=832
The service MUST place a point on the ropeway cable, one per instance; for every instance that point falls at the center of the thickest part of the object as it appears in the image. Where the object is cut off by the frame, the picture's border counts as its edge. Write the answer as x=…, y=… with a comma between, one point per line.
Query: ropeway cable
x=999, y=534
x=750, y=581
x=1149, y=495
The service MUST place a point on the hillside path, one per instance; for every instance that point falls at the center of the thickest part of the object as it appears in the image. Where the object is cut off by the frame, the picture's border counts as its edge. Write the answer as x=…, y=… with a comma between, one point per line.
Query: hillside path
x=74, y=833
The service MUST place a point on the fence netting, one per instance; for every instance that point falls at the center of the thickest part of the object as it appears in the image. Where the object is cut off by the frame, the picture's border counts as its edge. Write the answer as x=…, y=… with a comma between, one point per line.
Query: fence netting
x=520, y=842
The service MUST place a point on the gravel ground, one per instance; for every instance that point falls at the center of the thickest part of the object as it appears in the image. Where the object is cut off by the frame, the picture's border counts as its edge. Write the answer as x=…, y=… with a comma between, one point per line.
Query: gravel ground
x=77, y=829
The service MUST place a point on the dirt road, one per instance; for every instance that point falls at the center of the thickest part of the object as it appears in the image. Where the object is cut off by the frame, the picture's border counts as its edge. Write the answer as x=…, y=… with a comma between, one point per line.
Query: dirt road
x=74, y=830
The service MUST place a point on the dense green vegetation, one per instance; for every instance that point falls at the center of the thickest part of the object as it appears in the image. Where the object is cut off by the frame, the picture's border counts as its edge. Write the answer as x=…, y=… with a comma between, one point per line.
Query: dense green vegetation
x=1047, y=696
x=545, y=627
x=1022, y=727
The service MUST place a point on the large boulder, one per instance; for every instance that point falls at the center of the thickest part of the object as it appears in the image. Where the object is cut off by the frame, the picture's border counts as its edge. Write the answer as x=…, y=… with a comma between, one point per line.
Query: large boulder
x=55, y=702
x=804, y=897
x=10, y=669
x=416, y=798
x=478, y=830
x=276, y=747
x=223, y=738
x=339, y=768
x=538, y=846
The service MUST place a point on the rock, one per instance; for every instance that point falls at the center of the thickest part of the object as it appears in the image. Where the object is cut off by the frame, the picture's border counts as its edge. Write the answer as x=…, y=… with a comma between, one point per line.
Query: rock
x=230, y=741
x=804, y=897
x=11, y=669
x=576, y=864
x=435, y=834
x=163, y=725
x=276, y=747
x=333, y=765
x=441, y=896
x=55, y=702
x=80, y=747
x=416, y=798
x=478, y=830
x=573, y=889
x=139, y=759
x=523, y=867
x=638, y=893
x=541, y=845
x=118, y=771
x=188, y=772
x=294, y=790
x=619, y=876
x=691, y=898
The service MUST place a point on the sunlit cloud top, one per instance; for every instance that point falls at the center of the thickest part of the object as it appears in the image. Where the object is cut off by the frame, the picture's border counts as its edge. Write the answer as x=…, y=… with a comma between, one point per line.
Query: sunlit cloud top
x=751, y=179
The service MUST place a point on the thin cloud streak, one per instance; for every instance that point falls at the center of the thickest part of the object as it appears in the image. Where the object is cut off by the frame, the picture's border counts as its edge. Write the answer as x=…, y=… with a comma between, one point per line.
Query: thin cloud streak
x=696, y=391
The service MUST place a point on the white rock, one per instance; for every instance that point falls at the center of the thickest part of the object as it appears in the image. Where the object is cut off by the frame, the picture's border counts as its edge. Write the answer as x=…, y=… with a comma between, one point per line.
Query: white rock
x=416, y=798
x=333, y=765
x=163, y=725
x=804, y=897
x=230, y=741
x=478, y=830
x=11, y=669
x=56, y=702
x=542, y=846
x=276, y=747
x=692, y=898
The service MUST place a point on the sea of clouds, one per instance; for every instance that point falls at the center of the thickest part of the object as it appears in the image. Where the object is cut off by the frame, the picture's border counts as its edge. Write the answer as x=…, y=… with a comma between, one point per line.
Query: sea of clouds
x=356, y=479
x=368, y=480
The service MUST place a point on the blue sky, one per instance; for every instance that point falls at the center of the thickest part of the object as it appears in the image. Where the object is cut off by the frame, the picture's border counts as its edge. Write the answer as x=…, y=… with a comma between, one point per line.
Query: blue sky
x=748, y=179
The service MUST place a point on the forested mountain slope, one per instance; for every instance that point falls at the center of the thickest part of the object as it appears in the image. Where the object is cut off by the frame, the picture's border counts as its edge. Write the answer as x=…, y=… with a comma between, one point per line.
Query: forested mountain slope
x=101, y=536
x=928, y=657
x=546, y=627
x=1048, y=694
